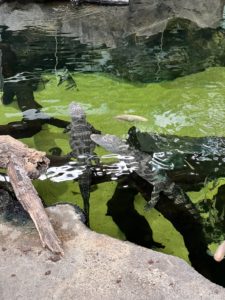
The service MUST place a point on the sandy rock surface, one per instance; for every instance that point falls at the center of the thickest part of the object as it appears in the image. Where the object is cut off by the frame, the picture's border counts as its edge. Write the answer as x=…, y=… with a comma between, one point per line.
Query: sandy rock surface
x=95, y=266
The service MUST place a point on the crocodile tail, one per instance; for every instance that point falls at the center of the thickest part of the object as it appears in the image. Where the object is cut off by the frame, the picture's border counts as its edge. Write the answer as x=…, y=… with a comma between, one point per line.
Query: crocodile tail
x=84, y=182
x=180, y=198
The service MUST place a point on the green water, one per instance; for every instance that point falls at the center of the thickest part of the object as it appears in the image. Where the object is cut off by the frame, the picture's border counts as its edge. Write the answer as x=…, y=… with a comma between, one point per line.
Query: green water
x=193, y=105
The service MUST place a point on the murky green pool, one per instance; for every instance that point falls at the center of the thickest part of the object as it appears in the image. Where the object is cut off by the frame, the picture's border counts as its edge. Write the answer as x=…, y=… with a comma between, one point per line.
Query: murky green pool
x=110, y=84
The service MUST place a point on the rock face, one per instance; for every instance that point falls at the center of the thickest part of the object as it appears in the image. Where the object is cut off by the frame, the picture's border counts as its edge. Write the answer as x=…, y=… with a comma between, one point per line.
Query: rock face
x=107, y=25
x=94, y=266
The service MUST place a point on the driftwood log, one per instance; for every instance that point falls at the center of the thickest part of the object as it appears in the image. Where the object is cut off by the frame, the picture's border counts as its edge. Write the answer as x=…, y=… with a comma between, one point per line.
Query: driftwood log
x=23, y=164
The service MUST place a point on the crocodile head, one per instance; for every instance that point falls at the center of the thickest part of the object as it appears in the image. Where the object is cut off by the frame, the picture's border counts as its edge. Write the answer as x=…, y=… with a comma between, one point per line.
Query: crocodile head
x=76, y=111
x=111, y=143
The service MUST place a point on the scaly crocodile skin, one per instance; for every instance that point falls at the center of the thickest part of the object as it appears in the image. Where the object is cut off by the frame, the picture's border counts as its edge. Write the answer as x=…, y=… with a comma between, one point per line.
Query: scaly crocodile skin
x=146, y=169
x=82, y=149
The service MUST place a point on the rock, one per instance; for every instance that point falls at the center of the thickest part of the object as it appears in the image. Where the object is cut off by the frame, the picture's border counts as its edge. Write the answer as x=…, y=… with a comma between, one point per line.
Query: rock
x=11, y=209
x=95, y=24
x=95, y=266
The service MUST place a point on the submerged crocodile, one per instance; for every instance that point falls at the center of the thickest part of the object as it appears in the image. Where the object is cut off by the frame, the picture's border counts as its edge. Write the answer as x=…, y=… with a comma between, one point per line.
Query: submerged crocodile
x=82, y=149
x=189, y=161
x=148, y=170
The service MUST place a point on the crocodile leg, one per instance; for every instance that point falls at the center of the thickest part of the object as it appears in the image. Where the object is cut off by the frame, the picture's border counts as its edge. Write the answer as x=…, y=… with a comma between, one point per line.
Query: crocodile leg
x=179, y=197
x=163, y=184
x=160, y=182
x=154, y=197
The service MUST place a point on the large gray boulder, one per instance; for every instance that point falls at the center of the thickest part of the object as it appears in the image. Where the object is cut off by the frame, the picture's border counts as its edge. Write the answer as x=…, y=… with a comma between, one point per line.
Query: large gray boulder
x=107, y=25
x=95, y=266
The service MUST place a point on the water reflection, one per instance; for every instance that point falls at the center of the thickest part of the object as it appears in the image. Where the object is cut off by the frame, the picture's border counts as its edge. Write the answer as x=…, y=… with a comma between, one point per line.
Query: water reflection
x=177, y=53
x=108, y=169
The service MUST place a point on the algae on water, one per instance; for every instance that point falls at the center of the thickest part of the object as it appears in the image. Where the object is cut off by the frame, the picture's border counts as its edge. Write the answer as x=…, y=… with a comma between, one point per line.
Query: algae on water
x=193, y=105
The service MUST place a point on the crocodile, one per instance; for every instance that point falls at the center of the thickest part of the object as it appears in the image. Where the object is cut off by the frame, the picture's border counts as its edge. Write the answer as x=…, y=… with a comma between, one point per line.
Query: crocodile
x=83, y=150
x=146, y=168
x=189, y=161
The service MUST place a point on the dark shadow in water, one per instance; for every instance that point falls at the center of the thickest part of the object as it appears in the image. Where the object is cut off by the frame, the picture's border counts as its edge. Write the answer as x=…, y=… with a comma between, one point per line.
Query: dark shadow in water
x=19, y=86
x=131, y=223
x=136, y=228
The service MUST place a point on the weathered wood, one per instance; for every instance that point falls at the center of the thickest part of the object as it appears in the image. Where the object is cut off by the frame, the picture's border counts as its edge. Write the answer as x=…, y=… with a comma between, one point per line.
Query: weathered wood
x=35, y=162
x=23, y=163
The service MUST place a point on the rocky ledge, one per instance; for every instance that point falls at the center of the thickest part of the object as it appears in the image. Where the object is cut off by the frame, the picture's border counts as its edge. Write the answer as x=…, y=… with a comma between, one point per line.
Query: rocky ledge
x=96, y=24
x=94, y=266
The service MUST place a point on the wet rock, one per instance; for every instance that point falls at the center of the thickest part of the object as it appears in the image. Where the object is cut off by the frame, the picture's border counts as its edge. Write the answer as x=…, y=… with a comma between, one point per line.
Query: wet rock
x=10, y=208
x=94, y=266
x=96, y=23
